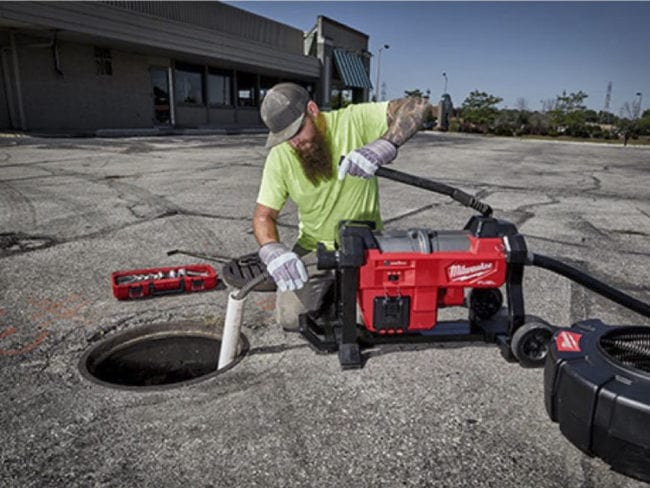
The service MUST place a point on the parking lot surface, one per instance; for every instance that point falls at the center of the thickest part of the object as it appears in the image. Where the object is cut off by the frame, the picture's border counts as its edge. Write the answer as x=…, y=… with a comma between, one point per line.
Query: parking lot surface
x=72, y=211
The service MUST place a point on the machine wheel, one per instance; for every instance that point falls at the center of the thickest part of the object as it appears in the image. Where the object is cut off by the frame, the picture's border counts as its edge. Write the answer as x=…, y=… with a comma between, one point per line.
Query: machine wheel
x=529, y=344
x=485, y=302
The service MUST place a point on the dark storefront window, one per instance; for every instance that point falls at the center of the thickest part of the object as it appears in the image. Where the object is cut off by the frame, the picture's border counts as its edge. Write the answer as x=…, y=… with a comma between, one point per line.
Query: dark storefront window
x=246, y=89
x=103, y=61
x=266, y=84
x=189, y=83
x=219, y=87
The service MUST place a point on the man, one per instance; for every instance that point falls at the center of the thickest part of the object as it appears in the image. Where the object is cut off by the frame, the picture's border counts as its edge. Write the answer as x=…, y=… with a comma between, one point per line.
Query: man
x=303, y=164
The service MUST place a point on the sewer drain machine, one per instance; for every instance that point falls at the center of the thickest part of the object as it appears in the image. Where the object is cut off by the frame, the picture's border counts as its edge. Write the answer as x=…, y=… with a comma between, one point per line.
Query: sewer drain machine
x=596, y=377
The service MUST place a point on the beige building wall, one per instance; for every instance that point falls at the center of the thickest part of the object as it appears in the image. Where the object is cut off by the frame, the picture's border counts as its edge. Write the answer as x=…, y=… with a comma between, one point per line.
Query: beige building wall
x=79, y=98
x=49, y=77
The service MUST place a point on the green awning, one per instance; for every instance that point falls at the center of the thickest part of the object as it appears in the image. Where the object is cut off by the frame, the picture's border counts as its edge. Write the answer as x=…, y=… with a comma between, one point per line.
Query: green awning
x=351, y=69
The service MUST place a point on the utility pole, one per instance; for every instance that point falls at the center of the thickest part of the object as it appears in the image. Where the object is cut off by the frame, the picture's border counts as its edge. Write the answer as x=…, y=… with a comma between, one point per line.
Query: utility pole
x=385, y=46
x=608, y=98
x=637, y=105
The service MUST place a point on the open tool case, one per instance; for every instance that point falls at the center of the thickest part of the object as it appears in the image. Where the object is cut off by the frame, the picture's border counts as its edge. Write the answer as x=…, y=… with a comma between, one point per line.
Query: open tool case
x=141, y=283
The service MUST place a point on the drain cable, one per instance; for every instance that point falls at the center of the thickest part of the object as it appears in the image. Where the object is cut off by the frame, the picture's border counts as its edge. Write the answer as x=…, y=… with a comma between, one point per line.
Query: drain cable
x=235, y=313
x=590, y=282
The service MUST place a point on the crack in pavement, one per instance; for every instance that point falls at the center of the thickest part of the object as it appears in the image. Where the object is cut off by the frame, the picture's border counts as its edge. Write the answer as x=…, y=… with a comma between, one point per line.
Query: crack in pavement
x=629, y=232
x=643, y=212
x=52, y=349
x=526, y=209
x=48, y=161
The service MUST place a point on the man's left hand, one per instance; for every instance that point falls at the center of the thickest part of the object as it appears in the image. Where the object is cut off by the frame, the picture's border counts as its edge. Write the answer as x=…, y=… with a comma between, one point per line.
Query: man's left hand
x=366, y=160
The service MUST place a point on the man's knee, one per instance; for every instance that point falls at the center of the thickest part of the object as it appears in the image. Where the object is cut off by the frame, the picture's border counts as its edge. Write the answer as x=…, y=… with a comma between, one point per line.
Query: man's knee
x=289, y=305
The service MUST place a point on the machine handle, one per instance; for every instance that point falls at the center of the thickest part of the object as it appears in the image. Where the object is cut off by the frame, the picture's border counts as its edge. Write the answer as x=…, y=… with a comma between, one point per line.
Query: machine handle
x=436, y=187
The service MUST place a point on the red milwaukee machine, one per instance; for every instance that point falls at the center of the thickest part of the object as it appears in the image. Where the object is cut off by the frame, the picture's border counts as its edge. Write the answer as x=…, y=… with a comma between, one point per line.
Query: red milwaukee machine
x=401, y=279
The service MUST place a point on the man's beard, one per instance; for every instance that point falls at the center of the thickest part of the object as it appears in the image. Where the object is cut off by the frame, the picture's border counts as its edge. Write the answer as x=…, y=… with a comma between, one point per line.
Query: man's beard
x=316, y=157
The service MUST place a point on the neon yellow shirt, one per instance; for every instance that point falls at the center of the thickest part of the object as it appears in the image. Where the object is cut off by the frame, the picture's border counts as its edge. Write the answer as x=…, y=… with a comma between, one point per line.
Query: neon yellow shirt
x=322, y=207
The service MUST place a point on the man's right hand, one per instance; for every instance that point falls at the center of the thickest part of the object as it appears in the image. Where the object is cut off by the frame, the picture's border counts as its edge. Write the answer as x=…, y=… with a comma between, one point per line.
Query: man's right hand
x=284, y=266
x=365, y=161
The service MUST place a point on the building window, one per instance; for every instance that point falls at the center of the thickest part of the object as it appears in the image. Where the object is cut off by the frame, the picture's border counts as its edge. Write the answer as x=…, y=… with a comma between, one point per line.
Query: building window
x=103, y=61
x=246, y=89
x=189, y=83
x=219, y=87
x=266, y=84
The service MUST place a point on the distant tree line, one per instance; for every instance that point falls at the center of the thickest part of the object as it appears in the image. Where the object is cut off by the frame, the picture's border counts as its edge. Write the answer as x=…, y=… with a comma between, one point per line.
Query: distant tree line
x=566, y=115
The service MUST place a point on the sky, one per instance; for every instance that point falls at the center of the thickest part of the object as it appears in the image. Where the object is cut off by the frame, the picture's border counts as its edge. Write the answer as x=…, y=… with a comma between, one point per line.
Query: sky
x=513, y=50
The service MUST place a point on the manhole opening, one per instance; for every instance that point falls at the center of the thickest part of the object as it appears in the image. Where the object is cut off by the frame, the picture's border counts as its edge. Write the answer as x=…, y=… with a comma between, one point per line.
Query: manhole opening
x=157, y=356
x=629, y=347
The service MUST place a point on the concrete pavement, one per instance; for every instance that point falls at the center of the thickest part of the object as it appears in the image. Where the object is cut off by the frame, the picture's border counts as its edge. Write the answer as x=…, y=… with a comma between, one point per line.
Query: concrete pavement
x=74, y=210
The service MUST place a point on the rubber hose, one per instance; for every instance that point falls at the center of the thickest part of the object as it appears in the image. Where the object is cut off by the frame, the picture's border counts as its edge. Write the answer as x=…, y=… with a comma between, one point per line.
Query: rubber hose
x=436, y=187
x=591, y=283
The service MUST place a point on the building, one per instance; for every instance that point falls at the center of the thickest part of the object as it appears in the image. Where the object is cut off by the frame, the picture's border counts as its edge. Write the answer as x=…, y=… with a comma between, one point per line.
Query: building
x=84, y=66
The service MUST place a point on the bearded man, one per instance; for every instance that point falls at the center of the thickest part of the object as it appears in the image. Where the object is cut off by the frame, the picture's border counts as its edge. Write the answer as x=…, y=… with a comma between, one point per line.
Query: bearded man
x=303, y=165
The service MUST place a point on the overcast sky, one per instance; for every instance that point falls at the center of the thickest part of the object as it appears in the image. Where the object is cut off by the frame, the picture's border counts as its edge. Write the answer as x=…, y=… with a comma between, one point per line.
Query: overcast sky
x=530, y=50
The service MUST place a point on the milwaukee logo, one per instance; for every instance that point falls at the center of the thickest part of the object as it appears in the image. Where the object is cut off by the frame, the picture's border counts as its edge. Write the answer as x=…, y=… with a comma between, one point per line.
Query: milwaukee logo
x=568, y=341
x=460, y=272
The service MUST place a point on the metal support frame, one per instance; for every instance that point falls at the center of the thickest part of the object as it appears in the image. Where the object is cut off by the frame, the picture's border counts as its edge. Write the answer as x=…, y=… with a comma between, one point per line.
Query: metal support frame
x=19, y=91
x=344, y=335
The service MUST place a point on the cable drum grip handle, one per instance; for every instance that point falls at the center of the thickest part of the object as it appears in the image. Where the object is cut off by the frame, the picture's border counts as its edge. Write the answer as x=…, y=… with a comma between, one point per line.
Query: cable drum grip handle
x=436, y=187
x=472, y=202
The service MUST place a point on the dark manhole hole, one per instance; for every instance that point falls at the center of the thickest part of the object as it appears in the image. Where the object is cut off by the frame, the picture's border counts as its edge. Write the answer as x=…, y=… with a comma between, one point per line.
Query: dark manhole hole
x=157, y=356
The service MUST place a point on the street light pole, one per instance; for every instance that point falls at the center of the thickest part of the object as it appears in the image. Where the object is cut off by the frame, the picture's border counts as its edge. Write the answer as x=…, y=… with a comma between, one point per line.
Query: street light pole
x=385, y=46
x=637, y=108
x=445, y=76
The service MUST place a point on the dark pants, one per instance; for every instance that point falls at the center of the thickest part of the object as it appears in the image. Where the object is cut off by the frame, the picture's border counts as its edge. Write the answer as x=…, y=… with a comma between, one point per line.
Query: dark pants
x=289, y=305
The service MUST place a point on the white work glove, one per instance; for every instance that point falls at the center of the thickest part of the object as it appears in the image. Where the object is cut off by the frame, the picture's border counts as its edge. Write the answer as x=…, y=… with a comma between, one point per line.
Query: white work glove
x=366, y=160
x=284, y=266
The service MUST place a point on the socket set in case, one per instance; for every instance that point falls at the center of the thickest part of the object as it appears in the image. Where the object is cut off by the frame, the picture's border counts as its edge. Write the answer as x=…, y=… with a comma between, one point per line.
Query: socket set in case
x=150, y=282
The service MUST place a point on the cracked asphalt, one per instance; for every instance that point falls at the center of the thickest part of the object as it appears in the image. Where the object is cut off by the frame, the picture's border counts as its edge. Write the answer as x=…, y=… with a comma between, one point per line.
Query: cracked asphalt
x=72, y=211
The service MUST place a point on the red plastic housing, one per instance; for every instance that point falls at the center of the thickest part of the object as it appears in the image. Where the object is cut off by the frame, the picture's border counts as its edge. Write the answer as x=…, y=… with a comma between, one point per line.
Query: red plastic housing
x=203, y=277
x=431, y=280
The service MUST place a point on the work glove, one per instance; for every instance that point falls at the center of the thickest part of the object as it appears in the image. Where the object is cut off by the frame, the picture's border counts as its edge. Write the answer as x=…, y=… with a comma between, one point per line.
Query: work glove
x=366, y=160
x=284, y=266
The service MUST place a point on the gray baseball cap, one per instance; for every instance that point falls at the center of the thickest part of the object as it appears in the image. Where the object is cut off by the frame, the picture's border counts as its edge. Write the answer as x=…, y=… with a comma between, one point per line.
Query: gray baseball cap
x=283, y=110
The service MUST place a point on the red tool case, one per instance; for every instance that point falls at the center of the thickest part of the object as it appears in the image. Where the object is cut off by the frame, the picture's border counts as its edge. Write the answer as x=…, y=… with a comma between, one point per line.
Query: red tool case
x=140, y=283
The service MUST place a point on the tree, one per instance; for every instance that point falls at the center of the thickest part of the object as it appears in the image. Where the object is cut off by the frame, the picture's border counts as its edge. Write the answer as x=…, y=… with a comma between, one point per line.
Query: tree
x=607, y=117
x=591, y=116
x=572, y=102
x=417, y=93
x=630, y=123
x=569, y=114
x=548, y=105
x=521, y=104
x=479, y=110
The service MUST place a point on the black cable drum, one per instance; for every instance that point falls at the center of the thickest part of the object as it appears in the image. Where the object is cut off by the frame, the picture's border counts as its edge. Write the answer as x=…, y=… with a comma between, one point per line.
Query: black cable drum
x=597, y=388
x=629, y=347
